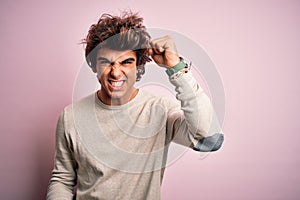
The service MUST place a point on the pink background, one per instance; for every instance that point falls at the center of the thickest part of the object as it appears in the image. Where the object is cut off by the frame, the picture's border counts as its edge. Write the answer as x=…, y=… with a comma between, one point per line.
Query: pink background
x=255, y=46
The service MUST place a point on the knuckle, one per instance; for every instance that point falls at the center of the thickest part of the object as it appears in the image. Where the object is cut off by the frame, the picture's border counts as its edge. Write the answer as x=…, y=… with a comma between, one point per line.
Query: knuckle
x=169, y=38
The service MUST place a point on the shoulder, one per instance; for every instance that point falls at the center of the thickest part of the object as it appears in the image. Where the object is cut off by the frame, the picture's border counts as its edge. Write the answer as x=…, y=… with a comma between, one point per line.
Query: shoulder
x=71, y=111
x=84, y=102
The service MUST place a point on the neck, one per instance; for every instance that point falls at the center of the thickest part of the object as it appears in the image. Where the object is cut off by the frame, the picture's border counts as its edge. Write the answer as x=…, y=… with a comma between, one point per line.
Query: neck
x=116, y=101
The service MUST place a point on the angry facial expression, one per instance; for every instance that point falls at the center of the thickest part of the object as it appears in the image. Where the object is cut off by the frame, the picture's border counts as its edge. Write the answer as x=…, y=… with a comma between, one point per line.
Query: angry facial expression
x=116, y=72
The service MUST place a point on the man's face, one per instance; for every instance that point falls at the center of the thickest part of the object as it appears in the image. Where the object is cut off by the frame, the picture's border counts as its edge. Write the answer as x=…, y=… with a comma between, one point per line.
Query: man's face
x=116, y=72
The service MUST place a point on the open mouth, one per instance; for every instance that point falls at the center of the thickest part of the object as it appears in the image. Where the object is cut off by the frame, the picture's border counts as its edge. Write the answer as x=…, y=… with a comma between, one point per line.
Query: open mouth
x=116, y=84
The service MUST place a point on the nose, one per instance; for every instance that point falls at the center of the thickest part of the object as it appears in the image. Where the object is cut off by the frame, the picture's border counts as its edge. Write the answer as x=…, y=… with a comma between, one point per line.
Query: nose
x=116, y=71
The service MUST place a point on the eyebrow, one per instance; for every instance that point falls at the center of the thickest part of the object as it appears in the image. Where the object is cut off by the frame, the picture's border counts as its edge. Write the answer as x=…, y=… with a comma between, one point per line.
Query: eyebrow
x=105, y=59
x=102, y=58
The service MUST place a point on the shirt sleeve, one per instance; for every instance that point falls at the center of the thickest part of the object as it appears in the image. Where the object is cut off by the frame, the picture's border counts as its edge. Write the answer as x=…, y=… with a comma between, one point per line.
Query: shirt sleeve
x=63, y=179
x=194, y=123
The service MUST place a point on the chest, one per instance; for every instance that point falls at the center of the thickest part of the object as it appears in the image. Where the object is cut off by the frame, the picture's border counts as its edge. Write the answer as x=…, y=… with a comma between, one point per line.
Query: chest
x=131, y=140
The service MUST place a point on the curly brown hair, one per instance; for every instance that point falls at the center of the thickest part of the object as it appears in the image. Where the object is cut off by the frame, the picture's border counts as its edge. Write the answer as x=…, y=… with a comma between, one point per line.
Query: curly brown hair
x=119, y=33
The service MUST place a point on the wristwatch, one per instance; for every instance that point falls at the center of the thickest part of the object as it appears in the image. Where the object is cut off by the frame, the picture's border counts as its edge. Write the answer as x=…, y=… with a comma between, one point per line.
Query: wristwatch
x=178, y=67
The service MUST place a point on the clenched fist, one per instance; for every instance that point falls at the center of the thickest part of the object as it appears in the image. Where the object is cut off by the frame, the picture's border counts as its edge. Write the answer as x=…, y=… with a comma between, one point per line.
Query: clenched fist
x=164, y=52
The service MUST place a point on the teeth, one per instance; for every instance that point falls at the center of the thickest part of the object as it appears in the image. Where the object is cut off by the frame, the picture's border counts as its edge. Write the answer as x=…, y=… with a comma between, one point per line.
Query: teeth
x=117, y=83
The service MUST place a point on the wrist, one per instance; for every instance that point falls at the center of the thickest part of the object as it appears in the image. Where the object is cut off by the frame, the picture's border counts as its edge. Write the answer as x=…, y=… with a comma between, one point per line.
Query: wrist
x=178, y=67
x=174, y=62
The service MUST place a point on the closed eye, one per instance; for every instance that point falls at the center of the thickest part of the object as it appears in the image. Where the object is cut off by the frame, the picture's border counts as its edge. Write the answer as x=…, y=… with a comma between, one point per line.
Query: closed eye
x=102, y=61
x=128, y=61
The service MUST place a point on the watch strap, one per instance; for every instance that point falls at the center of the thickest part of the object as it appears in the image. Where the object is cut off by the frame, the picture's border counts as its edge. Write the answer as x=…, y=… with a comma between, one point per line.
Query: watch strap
x=176, y=68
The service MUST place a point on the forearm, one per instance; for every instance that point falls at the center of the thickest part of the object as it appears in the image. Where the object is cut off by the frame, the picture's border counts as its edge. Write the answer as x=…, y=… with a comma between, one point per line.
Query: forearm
x=63, y=181
x=199, y=120
x=195, y=104
x=57, y=190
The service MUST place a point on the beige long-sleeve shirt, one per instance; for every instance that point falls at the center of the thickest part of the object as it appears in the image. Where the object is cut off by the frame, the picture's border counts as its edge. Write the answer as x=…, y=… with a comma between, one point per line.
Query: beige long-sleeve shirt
x=119, y=152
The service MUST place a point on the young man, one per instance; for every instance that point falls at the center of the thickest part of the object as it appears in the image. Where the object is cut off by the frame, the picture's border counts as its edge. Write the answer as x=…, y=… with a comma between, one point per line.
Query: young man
x=113, y=144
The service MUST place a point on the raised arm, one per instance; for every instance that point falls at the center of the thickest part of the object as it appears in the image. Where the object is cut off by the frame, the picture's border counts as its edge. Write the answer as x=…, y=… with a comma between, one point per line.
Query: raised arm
x=194, y=124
